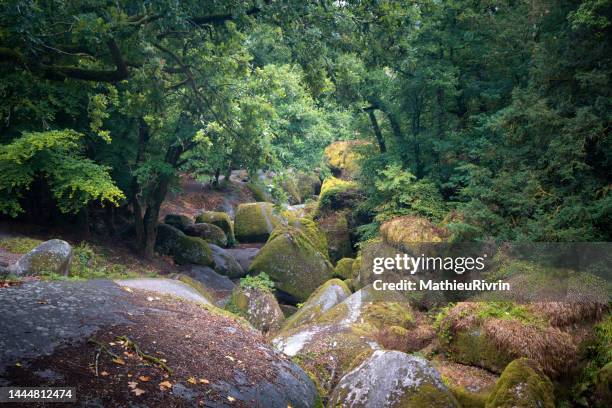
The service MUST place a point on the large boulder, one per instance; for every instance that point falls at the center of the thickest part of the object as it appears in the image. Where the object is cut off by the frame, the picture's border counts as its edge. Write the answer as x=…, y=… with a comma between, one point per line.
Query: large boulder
x=344, y=268
x=308, y=184
x=255, y=222
x=522, y=385
x=53, y=256
x=337, y=194
x=343, y=336
x=209, y=232
x=182, y=248
x=221, y=220
x=343, y=156
x=225, y=263
x=311, y=231
x=335, y=226
x=492, y=334
x=179, y=221
x=392, y=379
x=259, y=307
x=293, y=262
x=244, y=255
x=324, y=298
x=405, y=233
x=210, y=284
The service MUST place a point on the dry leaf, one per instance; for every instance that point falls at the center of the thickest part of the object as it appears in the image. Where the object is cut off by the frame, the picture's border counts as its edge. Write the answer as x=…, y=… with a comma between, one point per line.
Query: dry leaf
x=127, y=289
x=129, y=375
x=144, y=378
x=17, y=364
x=204, y=381
x=230, y=398
x=150, y=299
x=138, y=391
x=191, y=380
x=230, y=357
x=119, y=361
x=132, y=384
x=164, y=385
x=111, y=343
x=104, y=373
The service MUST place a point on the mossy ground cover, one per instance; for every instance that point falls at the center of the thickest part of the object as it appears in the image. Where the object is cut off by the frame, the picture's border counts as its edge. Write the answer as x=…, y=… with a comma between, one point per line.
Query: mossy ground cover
x=19, y=245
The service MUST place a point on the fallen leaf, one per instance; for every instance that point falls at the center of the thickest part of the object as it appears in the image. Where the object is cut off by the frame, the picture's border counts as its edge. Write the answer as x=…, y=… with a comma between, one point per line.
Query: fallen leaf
x=111, y=343
x=138, y=392
x=191, y=380
x=230, y=357
x=129, y=375
x=144, y=378
x=119, y=361
x=150, y=299
x=17, y=364
x=127, y=289
x=164, y=385
x=104, y=373
x=230, y=398
x=204, y=381
x=132, y=384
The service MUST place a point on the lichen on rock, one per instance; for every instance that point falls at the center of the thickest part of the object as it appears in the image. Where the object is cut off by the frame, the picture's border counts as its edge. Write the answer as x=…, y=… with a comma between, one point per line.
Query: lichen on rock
x=522, y=385
x=53, y=256
x=255, y=222
x=259, y=307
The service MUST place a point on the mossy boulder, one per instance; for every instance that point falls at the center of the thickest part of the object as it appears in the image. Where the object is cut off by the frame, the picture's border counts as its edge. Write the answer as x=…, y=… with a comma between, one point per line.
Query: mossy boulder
x=522, y=385
x=490, y=335
x=255, y=222
x=335, y=226
x=259, y=307
x=290, y=259
x=221, y=220
x=337, y=194
x=324, y=298
x=395, y=380
x=308, y=184
x=225, y=263
x=343, y=336
x=178, y=221
x=53, y=256
x=343, y=157
x=310, y=229
x=208, y=232
x=407, y=232
x=344, y=268
x=183, y=249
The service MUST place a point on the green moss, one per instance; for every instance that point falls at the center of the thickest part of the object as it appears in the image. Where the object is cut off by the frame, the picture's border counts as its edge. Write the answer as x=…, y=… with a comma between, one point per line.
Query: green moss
x=336, y=229
x=291, y=260
x=508, y=310
x=308, y=184
x=208, y=232
x=310, y=229
x=345, y=155
x=255, y=222
x=258, y=190
x=330, y=197
x=522, y=384
x=344, y=268
x=385, y=314
x=19, y=245
x=221, y=220
x=466, y=398
x=178, y=221
x=192, y=250
x=428, y=395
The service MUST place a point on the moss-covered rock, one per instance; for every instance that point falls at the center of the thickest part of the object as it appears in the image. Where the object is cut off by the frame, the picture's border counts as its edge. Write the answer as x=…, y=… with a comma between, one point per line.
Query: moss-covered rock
x=53, y=256
x=395, y=380
x=259, y=307
x=178, y=221
x=225, y=263
x=343, y=157
x=324, y=298
x=310, y=229
x=221, y=220
x=522, y=385
x=405, y=233
x=490, y=335
x=344, y=268
x=183, y=249
x=308, y=184
x=208, y=232
x=291, y=260
x=335, y=226
x=343, y=336
x=337, y=194
x=255, y=222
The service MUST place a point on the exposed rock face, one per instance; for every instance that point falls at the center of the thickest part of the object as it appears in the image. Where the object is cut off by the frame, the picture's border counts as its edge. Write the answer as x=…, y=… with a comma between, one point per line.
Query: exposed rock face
x=209, y=283
x=244, y=256
x=255, y=222
x=221, y=220
x=293, y=262
x=225, y=263
x=392, y=379
x=522, y=384
x=178, y=221
x=53, y=256
x=259, y=307
x=209, y=232
x=182, y=248
x=324, y=298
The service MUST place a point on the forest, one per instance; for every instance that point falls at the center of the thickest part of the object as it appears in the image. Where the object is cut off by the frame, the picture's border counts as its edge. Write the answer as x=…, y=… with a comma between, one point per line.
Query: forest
x=257, y=155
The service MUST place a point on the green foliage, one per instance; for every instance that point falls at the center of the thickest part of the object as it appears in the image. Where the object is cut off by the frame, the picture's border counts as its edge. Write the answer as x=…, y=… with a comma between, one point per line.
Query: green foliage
x=261, y=282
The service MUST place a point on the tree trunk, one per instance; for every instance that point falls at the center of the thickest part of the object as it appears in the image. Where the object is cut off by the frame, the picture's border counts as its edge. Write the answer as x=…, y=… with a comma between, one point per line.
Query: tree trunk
x=377, y=132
